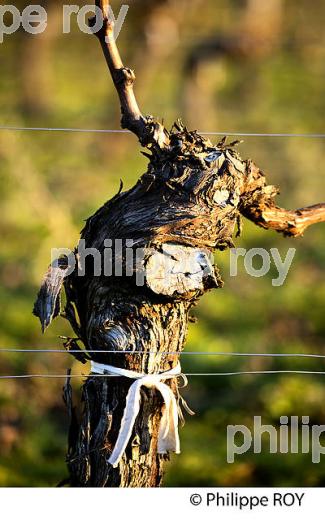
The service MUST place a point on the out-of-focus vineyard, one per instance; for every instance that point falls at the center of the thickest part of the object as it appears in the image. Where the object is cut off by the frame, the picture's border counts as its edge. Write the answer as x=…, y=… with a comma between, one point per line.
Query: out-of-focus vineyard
x=221, y=65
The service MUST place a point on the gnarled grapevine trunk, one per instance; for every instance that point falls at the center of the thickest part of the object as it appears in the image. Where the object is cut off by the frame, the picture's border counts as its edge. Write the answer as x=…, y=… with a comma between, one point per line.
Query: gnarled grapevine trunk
x=154, y=244
x=161, y=327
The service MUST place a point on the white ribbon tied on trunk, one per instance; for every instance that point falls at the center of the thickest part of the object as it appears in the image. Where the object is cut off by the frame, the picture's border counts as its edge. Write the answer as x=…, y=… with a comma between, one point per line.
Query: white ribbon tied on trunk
x=168, y=437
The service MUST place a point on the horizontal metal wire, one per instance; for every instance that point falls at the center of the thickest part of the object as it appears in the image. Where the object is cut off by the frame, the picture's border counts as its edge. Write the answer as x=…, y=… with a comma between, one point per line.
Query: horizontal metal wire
x=199, y=374
x=144, y=352
x=117, y=131
x=82, y=130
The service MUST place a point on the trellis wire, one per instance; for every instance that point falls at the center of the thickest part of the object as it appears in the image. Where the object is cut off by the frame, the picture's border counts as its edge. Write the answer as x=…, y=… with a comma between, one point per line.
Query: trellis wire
x=118, y=131
x=191, y=374
x=209, y=374
x=147, y=352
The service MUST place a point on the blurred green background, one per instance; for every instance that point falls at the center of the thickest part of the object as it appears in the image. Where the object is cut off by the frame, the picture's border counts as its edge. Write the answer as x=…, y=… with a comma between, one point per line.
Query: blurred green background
x=271, y=79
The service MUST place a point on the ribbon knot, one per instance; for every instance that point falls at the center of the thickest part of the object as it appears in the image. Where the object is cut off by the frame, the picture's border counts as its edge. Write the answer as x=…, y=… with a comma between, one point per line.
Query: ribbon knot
x=168, y=437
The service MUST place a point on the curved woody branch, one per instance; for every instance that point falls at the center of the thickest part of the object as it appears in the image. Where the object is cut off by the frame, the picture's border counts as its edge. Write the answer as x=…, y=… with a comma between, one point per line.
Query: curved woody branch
x=147, y=130
x=289, y=222
x=258, y=205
